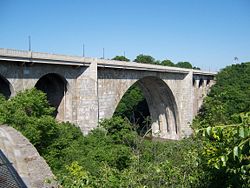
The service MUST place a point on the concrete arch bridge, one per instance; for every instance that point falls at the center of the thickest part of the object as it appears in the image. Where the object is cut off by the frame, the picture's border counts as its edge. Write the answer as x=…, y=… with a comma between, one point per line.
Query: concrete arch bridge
x=85, y=90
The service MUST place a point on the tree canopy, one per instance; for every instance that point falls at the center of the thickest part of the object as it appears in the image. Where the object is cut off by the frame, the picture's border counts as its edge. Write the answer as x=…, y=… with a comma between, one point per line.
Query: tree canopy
x=121, y=58
x=184, y=64
x=145, y=59
x=167, y=63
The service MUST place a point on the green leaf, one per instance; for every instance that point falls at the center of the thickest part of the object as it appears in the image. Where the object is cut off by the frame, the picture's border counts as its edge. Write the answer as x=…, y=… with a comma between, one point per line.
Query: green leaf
x=242, y=132
x=235, y=152
x=224, y=160
x=208, y=131
x=216, y=166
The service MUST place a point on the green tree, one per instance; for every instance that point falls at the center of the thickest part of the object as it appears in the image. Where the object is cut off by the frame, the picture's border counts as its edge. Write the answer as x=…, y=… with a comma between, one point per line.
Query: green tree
x=120, y=130
x=184, y=64
x=121, y=58
x=145, y=59
x=167, y=63
x=227, y=152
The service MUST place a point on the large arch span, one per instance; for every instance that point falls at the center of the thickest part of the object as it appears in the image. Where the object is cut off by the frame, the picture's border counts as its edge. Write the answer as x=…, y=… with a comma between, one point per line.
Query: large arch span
x=162, y=107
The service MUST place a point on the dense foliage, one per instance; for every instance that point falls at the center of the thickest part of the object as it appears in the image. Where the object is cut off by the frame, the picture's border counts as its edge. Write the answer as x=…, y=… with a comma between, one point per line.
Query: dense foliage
x=186, y=65
x=228, y=97
x=112, y=155
x=226, y=152
x=224, y=126
x=167, y=63
x=145, y=59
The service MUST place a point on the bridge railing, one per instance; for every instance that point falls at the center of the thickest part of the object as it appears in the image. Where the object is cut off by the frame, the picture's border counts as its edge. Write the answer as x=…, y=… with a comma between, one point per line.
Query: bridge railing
x=11, y=52
x=8, y=175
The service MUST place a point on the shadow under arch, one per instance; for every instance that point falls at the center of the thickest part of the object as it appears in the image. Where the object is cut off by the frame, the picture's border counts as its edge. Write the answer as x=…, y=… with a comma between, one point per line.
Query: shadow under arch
x=55, y=86
x=162, y=107
x=5, y=87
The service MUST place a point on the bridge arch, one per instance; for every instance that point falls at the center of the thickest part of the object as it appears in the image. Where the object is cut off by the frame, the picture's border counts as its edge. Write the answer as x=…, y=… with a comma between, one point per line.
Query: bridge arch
x=6, y=88
x=55, y=86
x=162, y=107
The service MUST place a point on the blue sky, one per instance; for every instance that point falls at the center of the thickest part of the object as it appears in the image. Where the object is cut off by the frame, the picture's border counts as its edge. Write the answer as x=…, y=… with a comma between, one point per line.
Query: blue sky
x=207, y=33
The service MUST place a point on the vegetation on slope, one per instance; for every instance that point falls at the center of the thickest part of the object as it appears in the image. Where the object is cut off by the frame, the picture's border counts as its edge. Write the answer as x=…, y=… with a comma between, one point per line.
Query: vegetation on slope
x=113, y=155
x=224, y=123
x=228, y=97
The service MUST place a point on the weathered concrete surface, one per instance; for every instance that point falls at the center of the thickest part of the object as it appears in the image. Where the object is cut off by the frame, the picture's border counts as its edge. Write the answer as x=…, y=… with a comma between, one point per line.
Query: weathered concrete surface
x=31, y=167
x=85, y=90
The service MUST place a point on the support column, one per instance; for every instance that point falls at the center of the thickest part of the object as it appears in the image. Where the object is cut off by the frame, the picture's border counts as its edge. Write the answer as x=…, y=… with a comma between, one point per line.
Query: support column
x=186, y=105
x=87, y=99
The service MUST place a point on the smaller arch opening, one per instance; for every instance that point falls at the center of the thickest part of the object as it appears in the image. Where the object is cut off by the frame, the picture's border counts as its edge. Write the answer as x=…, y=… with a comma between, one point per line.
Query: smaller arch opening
x=5, y=87
x=55, y=87
x=201, y=82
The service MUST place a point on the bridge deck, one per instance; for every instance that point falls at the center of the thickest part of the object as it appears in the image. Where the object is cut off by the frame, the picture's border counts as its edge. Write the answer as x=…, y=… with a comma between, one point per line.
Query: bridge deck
x=56, y=59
